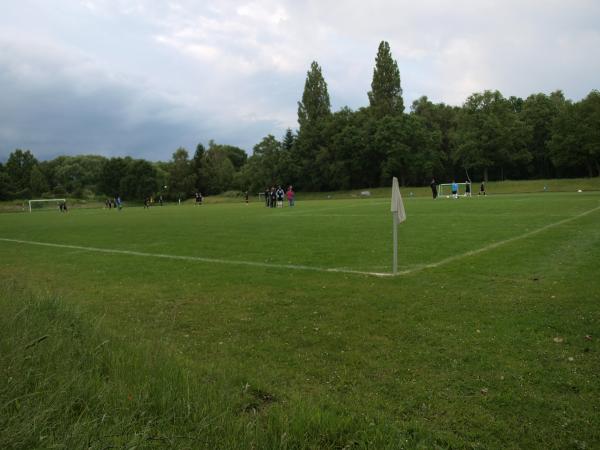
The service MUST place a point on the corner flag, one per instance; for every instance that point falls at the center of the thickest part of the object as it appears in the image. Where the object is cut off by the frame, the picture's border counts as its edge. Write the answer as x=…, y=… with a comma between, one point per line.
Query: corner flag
x=397, y=204
x=399, y=215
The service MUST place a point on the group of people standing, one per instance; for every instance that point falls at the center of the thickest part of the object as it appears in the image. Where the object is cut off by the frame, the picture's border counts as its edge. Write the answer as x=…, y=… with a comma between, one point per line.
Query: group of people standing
x=149, y=201
x=454, y=188
x=113, y=203
x=274, y=197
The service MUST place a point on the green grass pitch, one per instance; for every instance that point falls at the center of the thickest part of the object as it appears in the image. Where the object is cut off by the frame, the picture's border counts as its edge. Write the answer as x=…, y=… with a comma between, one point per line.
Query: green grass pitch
x=489, y=337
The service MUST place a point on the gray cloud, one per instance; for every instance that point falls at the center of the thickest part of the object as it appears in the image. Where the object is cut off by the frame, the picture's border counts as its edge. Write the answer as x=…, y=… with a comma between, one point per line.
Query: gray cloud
x=56, y=101
x=144, y=77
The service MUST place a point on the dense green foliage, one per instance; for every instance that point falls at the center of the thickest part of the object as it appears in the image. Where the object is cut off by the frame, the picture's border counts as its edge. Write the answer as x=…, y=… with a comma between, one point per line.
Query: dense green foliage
x=490, y=137
x=385, y=97
x=488, y=349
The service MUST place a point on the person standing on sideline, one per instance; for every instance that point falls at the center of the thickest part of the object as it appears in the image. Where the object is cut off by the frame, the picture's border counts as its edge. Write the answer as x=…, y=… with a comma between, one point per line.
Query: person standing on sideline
x=266, y=193
x=454, y=189
x=467, y=188
x=119, y=204
x=433, y=186
x=246, y=196
x=482, y=188
x=290, y=194
x=273, y=198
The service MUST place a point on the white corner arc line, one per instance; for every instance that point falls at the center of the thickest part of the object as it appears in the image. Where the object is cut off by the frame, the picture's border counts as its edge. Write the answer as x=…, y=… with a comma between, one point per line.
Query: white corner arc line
x=196, y=258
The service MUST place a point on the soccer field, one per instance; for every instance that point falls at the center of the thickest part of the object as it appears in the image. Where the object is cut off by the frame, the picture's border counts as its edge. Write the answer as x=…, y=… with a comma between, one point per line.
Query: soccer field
x=488, y=337
x=349, y=235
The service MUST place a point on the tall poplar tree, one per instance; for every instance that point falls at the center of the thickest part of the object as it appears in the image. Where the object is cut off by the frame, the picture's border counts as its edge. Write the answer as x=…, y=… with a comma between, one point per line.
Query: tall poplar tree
x=313, y=112
x=315, y=103
x=385, y=96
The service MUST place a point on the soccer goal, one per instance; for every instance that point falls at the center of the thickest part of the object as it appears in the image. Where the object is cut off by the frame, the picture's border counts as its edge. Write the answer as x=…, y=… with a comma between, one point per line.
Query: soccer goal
x=44, y=204
x=446, y=189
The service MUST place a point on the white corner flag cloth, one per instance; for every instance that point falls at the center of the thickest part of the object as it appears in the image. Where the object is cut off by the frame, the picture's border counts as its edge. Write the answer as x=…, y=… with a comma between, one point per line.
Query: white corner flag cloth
x=397, y=204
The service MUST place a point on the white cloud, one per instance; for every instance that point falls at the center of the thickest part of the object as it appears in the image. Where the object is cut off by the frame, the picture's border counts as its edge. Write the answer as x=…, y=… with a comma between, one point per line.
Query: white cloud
x=195, y=50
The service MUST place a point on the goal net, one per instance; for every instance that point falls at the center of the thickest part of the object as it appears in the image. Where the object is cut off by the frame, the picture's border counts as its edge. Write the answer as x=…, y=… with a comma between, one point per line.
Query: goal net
x=45, y=204
x=446, y=189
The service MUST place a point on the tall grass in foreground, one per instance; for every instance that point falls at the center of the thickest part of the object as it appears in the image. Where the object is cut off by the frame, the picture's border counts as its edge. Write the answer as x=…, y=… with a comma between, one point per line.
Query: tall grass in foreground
x=66, y=384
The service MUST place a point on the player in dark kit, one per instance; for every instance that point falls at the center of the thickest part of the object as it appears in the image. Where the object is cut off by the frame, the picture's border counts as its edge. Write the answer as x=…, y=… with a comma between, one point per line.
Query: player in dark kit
x=279, y=193
x=482, y=189
x=434, y=190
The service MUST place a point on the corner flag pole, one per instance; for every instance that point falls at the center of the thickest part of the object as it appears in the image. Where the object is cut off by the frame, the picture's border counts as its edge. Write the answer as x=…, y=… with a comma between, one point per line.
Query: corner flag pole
x=395, y=228
x=398, y=215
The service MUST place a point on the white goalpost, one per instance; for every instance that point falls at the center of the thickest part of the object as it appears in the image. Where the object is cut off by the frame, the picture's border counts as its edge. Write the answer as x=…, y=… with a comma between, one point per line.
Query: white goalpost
x=41, y=202
x=446, y=189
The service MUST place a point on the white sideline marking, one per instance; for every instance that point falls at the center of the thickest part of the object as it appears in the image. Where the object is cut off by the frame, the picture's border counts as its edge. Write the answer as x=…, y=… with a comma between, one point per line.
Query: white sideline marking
x=309, y=268
x=495, y=244
x=290, y=216
x=196, y=258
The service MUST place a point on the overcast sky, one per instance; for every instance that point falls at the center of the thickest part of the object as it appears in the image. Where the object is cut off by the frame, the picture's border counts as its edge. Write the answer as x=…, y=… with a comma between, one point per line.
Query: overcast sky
x=142, y=78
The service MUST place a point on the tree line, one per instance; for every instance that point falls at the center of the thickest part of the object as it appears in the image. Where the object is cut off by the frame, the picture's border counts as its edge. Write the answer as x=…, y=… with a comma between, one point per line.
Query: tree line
x=488, y=137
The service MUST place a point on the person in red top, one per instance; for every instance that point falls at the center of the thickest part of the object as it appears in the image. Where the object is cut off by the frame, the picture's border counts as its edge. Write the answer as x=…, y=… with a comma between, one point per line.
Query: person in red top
x=290, y=194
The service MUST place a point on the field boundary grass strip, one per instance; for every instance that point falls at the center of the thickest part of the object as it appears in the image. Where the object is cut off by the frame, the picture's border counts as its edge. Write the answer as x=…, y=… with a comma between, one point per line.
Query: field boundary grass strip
x=303, y=267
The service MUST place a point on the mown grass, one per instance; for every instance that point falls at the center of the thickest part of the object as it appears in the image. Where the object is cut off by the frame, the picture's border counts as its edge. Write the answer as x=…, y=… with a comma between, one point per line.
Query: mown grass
x=495, y=350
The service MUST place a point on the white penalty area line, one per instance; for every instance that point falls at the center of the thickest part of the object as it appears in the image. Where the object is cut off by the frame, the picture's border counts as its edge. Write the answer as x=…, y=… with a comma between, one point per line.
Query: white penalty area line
x=307, y=268
x=197, y=258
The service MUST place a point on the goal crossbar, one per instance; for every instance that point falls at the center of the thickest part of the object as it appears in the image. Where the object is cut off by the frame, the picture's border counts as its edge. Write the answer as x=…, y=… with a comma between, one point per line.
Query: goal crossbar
x=45, y=200
x=449, y=186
